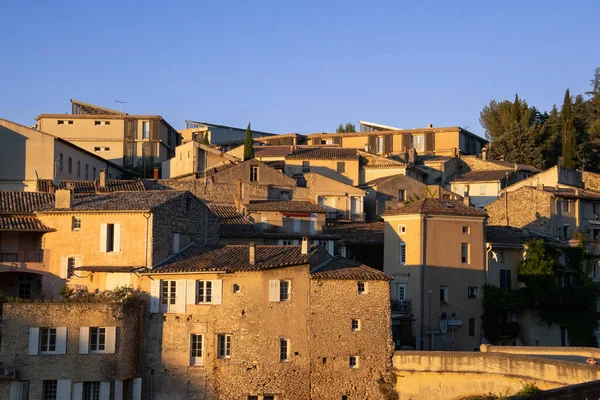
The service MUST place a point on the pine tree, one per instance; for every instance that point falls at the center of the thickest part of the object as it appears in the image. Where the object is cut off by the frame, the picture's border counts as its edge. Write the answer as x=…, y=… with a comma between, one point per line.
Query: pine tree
x=248, y=145
x=569, y=144
x=206, y=141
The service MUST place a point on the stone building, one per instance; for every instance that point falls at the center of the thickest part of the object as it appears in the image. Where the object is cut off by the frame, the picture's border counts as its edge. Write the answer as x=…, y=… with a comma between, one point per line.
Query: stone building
x=247, y=322
x=434, y=249
x=70, y=351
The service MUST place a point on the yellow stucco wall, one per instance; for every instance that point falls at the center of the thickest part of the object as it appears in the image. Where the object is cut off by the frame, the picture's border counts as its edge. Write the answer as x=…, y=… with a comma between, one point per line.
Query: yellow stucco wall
x=327, y=168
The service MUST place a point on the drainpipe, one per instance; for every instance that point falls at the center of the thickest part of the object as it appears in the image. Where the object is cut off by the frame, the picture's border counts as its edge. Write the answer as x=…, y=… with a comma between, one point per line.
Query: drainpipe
x=423, y=263
x=487, y=261
x=147, y=216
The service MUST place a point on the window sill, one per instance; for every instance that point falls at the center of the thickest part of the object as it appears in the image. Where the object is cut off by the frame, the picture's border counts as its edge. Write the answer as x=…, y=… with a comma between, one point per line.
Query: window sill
x=49, y=353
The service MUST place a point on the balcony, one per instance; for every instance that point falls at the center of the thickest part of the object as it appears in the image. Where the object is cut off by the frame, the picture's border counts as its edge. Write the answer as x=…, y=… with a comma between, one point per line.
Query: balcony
x=345, y=216
x=401, y=306
x=22, y=256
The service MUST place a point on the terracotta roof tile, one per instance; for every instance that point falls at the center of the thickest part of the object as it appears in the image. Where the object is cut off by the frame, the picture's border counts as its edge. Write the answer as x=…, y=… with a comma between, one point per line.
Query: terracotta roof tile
x=285, y=206
x=22, y=223
x=93, y=186
x=119, y=201
x=437, y=207
x=344, y=269
x=323, y=153
x=23, y=202
x=385, y=166
x=358, y=232
x=234, y=258
x=483, y=176
x=272, y=151
x=232, y=223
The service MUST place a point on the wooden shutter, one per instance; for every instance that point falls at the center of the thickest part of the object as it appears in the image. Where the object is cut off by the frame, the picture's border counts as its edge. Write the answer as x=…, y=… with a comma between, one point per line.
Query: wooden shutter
x=191, y=291
x=337, y=140
x=388, y=143
x=34, y=341
x=118, y=389
x=64, y=267
x=155, y=129
x=111, y=339
x=180, y=297
x=78, y=391
x=330, y=247
x=176, y=243
x=372, y=143
x=84, y=340
x=217, y=291
x=407, y=141
x=313, y=224
x=103, y=229
x=19, y=390
x=273, y=290
x=63, y=389
x=316, y=142
x=130, y=129
x=137, y=389
x=117, y=238
x=154, y=295
x=429, y=141
x=104, y=390
x=61, y=340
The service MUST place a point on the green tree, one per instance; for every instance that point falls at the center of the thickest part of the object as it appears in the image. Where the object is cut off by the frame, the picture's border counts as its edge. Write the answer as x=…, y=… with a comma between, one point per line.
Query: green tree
x=248, y=145
x=349, y=127
x=206, y=141
x=569, y=143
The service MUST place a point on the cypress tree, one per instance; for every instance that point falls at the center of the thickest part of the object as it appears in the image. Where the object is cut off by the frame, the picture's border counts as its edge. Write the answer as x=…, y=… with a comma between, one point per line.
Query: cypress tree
x=569, y=144
x=248, y=145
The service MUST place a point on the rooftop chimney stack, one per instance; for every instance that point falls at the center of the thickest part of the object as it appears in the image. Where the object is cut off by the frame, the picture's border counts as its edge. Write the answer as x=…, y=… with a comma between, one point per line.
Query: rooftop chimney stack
x=430, y=125
x=466, y=198
x=484, y=154
x=304, y=245
x=63, y=199
x=103, y=178
x=155, y=173
x=252, y=250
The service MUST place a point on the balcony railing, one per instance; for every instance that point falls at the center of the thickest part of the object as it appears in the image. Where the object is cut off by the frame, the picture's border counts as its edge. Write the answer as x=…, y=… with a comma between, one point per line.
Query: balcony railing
x=401, y=306
x=22, y=256
x=345, y=216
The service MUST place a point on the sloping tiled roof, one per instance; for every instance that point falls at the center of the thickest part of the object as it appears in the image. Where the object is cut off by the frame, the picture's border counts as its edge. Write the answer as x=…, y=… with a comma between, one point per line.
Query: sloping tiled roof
x=22, y=223
x=23, y=202
x=120, y=201
x=432, y=158
x=574, y=194
x=276, y=164
x=233, y=258
x=323, y=153
x=520, y=167
x=357, y=232
x=438, y=207
x=344, y=269
x=272, y=151
x=91, y=187
x=285, y=206
x=385, y=166
x=504, y=235
x=483, y=176
x=232, y=223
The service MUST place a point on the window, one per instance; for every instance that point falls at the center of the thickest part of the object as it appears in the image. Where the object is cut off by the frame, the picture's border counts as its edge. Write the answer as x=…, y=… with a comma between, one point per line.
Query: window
x=353, y=362
x=418, y=143
x=254, y=173
x=284, y=291
x=464, y=253
x=60, y=122
x=472, y=292
x=566, y=232
x=565, y=204
x=110, y=238
x=505, y=279
x=224, y=346
x=362, y=287
x=402, y=253
x=287, y=242
x=356, y=325
x=401, y=229
x=25, y=287
x=97, y=149
x=501, y=257
x=70, y=165
x=76, y=224
x=305, y=166
x=97, y=123
x=47, y=340
x=401, y=291
x=471, y=326
x=78, y=169
x=284, y=350
x=401, y=194
x=97, y=339
x=466, y=230
x=196, y=357
x=596, y=235
x=379, y=145
x=87, y=170
x=341, y=167
x=60, y=161
x=168, y=295
x=443, y=294
x=91, y=390
x=204, y=291
x=107, y=149
x=279, y=290
x=94, y=173
x=70, y=122
x=106, y=122
x=49, y=390
x=145, y=130
x=481, y=189
x=71, y=263
x=236, y=288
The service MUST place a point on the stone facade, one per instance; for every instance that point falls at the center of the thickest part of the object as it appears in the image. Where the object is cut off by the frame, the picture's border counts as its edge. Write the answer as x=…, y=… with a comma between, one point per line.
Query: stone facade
x=118, y=368
x=528, y=208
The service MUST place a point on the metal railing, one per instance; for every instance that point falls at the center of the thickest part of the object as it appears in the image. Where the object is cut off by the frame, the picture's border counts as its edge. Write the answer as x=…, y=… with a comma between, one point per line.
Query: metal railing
x=22, y=256
x=401, y=306
x=345, y=216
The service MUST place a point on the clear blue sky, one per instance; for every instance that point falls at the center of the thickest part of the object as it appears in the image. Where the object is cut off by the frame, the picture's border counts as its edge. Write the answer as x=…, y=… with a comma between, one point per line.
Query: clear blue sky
x=301, y=67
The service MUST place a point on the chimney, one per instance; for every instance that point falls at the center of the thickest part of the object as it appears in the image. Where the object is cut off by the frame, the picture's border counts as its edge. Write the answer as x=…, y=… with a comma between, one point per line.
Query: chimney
x=155, y=173
x=63, y=198
x=430, y=125
x=103, y=178
x=304, y=245
x=252, y=250
x=466, y=197
x=484, y=154
x=540, y=186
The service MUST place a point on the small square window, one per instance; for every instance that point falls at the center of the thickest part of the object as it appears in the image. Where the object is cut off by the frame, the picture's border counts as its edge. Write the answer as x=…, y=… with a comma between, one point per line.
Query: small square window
x=472, y=292
x=401, y=229
x=284, y=350
x=401, y=195
x=106, y=122
x=76, y=224
x=362, y=287
x=96, y=148
x=353, y=362
x=237, y=288
x=341, y=167
x=254, y=173
x=59, y=122
x=70, y=122
x=97, y=122
x=356, y=325
x=466, y=230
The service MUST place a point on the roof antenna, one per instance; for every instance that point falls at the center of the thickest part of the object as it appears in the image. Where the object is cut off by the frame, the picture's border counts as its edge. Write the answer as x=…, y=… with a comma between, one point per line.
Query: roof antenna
x=121, y=105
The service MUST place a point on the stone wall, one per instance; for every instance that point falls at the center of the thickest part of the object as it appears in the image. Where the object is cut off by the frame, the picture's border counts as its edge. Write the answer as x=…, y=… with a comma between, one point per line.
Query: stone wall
x=591, y=180
x=18, y=318
x=528, y=208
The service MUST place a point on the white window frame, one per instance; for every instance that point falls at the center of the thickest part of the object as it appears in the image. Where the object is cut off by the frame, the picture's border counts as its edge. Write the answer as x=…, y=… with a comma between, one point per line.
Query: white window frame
x=116, y=243
x=284, y=350
x=145, y=129
x=196, y=359
x=472, y=292
x=466, y=230
x=402, y=253
x=168, y=303
x=401, y=288
x=465, y=259
x=361, y=287
x=46, y=336
x=237, y=288
x=401, y=229
x=204, y=292
x=85, y=338
x=224, y=346
x=76, y=224
x=100, y=333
